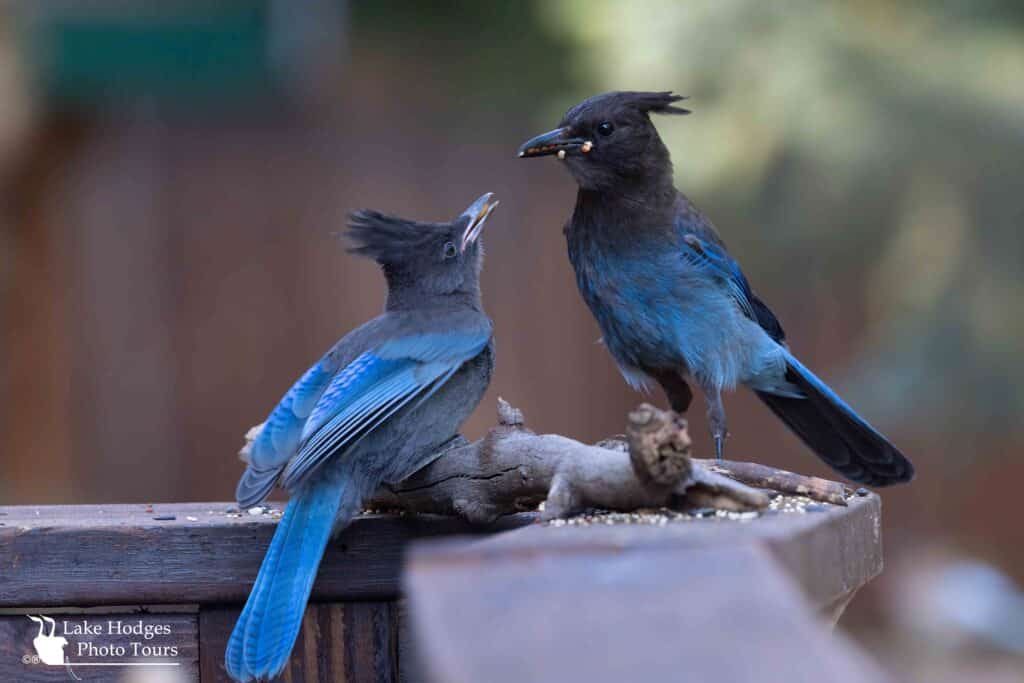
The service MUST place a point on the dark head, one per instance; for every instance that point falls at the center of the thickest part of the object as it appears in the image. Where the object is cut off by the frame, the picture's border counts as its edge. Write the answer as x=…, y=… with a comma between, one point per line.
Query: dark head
x=424, y=260
x=608, y=141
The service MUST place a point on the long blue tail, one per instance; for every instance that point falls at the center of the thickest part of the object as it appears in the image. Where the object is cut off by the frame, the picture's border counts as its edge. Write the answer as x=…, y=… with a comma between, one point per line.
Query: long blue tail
x=263, y=638
x=835, y=432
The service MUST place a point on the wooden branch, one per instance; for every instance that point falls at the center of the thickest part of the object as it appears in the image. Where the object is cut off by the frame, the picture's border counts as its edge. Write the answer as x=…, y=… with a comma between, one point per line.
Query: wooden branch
x=762, y=476
x=514, y=470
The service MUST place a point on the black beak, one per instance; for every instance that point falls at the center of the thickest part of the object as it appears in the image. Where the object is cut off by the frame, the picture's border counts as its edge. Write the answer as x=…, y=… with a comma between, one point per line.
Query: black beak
x=552, y=142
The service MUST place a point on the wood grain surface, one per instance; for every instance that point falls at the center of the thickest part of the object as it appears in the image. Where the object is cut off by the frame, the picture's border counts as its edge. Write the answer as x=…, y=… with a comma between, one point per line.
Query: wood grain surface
x=189, y=553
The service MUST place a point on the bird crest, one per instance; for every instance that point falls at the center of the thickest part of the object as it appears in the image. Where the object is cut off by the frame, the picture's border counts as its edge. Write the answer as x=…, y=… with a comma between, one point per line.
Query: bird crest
x=387, y=238
x=643, y=102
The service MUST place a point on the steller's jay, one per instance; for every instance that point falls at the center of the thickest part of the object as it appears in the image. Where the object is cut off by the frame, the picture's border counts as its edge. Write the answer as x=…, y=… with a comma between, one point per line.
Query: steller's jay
x=672, y=303
x=379, y=406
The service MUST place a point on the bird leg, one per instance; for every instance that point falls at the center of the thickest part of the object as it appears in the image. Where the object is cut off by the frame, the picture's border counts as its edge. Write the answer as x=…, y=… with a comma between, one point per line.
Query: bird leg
x=677, y=390
x=716, y=419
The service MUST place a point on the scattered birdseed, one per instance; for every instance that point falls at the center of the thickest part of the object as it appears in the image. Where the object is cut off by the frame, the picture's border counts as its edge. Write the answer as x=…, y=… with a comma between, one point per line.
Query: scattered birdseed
x=796, y=504
x=191, y=518
x=782, y=504
x=395, y=512
x=256, y=510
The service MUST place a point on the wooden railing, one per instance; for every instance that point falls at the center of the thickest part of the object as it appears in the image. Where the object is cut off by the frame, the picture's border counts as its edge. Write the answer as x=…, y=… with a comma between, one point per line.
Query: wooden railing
x=641, y=599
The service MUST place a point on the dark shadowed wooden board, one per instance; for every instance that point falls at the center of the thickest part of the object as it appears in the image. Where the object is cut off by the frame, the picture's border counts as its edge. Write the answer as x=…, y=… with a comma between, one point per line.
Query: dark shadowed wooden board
x=178, y=631
x=339, y=643
x=188, y=553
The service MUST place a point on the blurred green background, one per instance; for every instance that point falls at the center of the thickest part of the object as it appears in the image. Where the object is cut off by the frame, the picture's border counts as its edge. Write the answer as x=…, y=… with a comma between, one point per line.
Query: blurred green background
x=172, y=176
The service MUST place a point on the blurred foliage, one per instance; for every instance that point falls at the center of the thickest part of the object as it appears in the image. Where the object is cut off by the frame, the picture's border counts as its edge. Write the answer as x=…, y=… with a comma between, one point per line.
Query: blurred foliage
x=16, y=114
x=196, y=51
x=16, y=107
x=494, y=56
x=872, y=144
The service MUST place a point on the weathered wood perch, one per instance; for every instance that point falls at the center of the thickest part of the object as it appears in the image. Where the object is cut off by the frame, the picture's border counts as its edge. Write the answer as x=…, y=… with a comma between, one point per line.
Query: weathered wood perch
x=763, y=476
x=513, y=470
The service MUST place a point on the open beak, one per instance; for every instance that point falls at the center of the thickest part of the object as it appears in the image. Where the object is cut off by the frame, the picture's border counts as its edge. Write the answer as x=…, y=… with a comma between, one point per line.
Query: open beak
x=556, y=141
x=477, y=212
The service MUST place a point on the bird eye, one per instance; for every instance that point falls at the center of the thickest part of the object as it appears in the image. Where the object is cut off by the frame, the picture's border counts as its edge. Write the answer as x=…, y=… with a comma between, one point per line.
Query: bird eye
x=605, y=129
x=450, y=250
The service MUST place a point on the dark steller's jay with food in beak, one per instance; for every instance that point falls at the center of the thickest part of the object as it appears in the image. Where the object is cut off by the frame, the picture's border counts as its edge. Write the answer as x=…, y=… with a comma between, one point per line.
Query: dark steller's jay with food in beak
x=672, y=303
x=379, y=406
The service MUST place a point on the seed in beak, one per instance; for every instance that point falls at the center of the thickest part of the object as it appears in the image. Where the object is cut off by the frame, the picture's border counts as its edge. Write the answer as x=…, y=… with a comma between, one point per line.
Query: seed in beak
x=586, y=146
x=561, y=154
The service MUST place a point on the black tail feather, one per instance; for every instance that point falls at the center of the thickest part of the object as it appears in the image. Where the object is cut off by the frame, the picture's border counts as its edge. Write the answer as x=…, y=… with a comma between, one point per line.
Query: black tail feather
x=836, y=433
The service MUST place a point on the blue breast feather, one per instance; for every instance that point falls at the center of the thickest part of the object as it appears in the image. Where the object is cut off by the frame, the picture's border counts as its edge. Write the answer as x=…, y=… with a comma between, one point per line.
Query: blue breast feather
x=685, y=306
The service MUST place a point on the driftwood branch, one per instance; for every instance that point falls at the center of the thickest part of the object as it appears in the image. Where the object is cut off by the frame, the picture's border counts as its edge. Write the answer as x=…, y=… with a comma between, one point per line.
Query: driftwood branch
x=513, y=470
x=762, y=476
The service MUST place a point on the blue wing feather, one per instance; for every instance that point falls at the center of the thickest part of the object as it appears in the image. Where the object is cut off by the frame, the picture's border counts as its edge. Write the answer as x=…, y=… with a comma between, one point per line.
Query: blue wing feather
x=283, y=429
x=356, y=414
x=327, y=413
x=714, y=260
x=358, y=377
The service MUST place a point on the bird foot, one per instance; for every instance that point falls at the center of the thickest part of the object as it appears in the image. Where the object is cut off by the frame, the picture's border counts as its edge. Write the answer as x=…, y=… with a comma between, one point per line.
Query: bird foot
x=719, y=447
